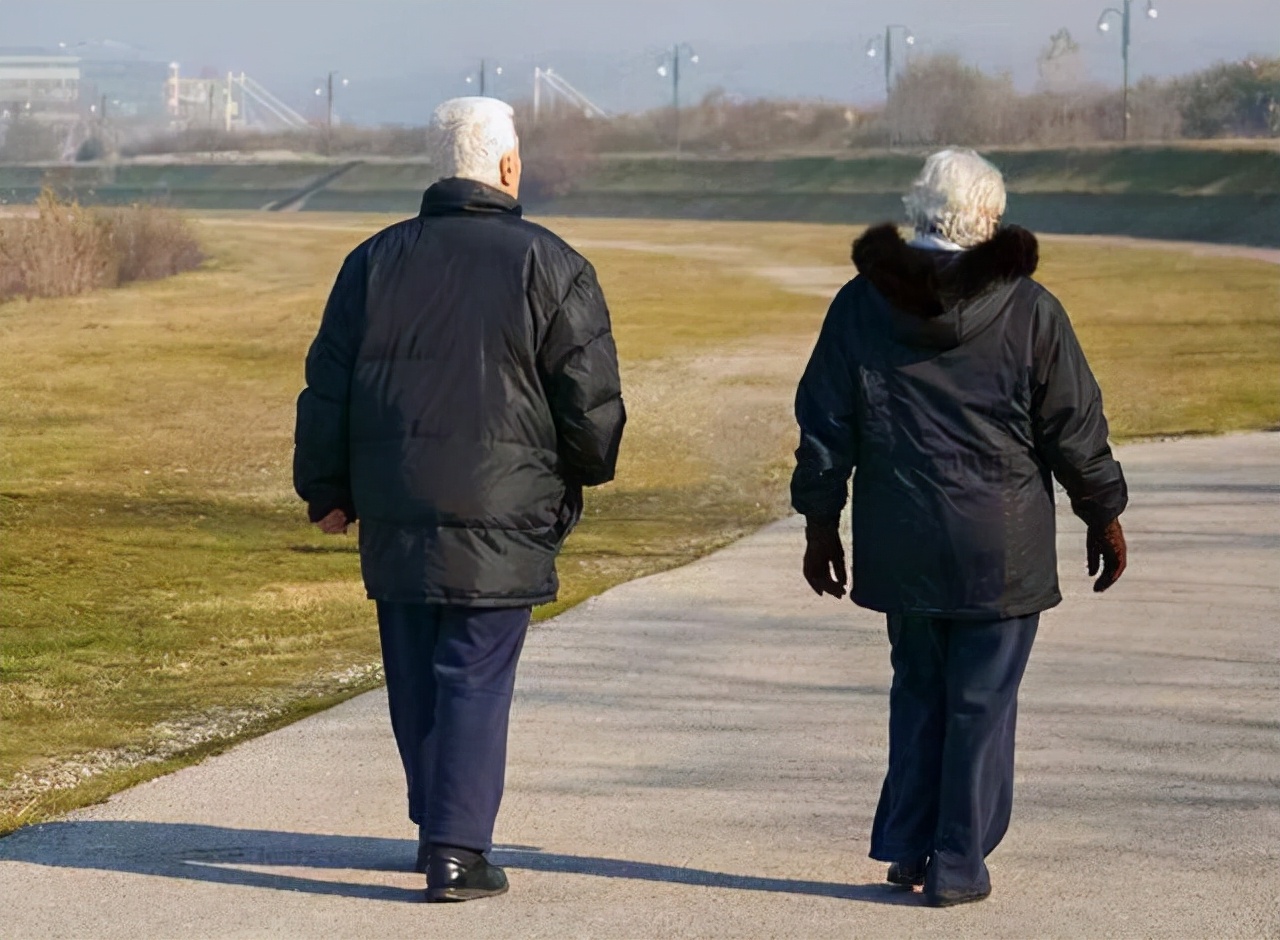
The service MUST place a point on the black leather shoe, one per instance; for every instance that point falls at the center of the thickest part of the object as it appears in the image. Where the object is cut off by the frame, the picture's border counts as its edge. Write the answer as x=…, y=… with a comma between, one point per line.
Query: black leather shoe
x=906, y=874
x=462, y=876
x=952, y=898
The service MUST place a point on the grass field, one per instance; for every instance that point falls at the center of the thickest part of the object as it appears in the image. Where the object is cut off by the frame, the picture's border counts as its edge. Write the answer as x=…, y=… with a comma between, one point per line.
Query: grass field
x=162, y=594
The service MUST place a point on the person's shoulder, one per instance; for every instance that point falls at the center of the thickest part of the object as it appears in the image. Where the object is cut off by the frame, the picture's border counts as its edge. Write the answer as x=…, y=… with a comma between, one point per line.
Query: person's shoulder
x=851, y=299
x=550, y=243
x=389, y=240
x=393, y=235
x=1040, y=301
x=552, y=255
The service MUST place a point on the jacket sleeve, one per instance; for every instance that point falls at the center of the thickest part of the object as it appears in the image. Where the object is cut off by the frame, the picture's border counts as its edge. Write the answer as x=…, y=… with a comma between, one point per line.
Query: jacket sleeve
x=321, y=460
x=826, y=410
x=578, y=363
x=1068, y=422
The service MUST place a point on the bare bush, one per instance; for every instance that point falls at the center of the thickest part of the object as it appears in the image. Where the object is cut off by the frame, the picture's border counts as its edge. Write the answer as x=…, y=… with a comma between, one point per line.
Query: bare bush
x=557, y=150
x=65, y=248
x=150, y=242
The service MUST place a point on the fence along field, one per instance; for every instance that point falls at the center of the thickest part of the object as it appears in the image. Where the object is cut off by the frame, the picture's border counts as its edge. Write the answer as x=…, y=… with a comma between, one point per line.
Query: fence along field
x=163, y=594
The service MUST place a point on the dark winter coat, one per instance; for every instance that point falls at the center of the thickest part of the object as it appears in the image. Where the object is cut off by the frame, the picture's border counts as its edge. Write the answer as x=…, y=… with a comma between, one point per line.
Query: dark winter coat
x=955, y=385
x=463, y=387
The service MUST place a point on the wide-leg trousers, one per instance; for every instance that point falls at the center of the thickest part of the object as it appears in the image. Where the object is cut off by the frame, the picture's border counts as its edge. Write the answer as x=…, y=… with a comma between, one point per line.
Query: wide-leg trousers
x=450, y=676
x=953, y=710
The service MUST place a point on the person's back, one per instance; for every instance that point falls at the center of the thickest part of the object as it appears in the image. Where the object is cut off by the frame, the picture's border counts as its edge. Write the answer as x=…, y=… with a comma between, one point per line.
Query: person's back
x=461, y=391
x=455, y=450
x=953, y=498
x=955, y=386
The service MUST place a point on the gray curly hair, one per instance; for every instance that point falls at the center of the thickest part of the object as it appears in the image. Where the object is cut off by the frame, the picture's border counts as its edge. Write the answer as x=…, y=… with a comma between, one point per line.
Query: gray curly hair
x=469, y=136
x=959, y=196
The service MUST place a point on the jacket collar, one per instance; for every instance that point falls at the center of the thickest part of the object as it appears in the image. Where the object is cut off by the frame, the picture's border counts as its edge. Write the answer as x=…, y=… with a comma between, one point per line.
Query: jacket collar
x=927, y=283
x=463, y=195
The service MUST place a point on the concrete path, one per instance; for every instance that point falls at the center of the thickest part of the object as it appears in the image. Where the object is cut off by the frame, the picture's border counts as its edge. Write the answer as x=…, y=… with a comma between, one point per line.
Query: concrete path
x=699, y=754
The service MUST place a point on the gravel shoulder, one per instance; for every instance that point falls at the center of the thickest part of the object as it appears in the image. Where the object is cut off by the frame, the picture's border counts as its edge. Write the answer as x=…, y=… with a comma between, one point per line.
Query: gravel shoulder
x=699, y=753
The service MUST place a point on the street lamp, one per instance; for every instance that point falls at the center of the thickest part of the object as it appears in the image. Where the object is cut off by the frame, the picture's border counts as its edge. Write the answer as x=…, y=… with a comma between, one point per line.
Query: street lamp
x=1104, y=26
x=327, y=91
x=482, y=74
x=875, y=45
x=669, y=64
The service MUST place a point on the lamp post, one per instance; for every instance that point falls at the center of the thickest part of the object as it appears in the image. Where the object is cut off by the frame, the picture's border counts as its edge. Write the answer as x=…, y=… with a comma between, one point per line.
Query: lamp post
x=887, y=44
x=483, y=76
x=670, y=64
x=327, y=91
x=1104, y=25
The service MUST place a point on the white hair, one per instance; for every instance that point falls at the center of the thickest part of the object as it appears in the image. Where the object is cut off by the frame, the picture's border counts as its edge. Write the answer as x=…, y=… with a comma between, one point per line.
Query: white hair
x=959, y=196
x=469, y=136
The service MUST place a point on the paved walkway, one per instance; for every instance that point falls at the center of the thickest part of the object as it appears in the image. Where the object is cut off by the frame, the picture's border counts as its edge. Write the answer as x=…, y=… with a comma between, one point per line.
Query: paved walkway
x=699, y=753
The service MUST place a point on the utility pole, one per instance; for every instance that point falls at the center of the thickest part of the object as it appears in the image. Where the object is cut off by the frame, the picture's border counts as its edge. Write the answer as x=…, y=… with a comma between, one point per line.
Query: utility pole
x=888, y=62
x=327, y=91
x=328, y=119
x=677, y=50
x=1104, y=25
x=886, y=45
x=483, y=76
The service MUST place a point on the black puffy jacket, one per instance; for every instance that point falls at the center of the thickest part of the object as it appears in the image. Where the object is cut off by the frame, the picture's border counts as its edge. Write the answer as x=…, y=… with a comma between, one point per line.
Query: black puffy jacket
x=955, y=385
x=463, y=387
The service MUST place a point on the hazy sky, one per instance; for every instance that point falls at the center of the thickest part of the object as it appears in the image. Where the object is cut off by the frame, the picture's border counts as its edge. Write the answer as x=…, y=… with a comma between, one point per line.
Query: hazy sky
x=402, y=56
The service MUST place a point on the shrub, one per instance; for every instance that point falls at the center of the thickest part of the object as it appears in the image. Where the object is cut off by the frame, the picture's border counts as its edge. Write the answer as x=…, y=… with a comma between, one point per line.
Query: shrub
x=91, y=149
x=65, y=248
x=1240, y=99
x=150, y=242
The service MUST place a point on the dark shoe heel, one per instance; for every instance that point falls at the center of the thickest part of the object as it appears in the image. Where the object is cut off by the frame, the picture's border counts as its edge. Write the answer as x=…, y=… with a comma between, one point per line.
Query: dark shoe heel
x=459, y=875
x=906, y=874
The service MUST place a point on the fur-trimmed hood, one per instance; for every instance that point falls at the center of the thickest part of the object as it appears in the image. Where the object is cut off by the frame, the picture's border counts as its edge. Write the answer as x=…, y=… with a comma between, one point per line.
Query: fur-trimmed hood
x=928, y=283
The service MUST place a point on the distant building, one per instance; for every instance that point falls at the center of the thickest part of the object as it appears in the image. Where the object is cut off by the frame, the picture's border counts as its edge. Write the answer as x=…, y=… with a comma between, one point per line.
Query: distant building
x=130, y=89
x=39, y=84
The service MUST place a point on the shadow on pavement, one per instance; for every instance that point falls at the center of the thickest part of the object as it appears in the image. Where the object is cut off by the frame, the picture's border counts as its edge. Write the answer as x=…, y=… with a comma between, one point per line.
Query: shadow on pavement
x=221, y=855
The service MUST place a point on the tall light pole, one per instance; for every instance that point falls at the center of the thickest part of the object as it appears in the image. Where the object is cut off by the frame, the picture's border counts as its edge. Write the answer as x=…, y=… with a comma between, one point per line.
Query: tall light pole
x=1104, y=25
x=328, y=115
x=887, y=45
x=670, y=64
x=483, y=75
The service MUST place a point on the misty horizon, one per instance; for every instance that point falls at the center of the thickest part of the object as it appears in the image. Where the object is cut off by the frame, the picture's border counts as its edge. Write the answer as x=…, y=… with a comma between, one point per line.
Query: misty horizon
x=401, y=58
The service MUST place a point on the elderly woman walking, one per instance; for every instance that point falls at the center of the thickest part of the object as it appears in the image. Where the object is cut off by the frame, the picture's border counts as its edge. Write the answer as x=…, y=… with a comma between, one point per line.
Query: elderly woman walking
x=955, y=386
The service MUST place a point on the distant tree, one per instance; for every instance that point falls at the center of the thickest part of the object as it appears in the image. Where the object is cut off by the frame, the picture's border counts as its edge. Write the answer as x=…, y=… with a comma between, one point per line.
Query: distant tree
x=941, y=99
x=1059, y=63
x=90, y=149
x=1233, y=99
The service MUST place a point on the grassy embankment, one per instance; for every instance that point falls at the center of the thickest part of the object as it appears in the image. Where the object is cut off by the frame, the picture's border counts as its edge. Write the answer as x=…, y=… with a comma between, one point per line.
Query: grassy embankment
x=1221, y=191
x=162, y=593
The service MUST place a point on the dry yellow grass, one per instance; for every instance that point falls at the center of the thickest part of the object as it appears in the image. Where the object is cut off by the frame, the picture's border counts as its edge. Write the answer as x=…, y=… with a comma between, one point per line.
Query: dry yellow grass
x=157, y=568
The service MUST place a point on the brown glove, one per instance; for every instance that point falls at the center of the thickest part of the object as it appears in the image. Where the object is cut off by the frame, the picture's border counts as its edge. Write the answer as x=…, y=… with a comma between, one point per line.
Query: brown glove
x=823, y=557
x=1106, y=546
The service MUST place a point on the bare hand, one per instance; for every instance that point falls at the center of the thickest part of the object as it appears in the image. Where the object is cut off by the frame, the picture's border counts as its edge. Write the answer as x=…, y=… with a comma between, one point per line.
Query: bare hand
x=1107, y=549
x=335, y=523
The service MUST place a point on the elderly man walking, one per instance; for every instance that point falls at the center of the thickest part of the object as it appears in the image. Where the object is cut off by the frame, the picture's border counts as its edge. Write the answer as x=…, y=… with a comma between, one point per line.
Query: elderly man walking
x=461, y=391
x=955, y=386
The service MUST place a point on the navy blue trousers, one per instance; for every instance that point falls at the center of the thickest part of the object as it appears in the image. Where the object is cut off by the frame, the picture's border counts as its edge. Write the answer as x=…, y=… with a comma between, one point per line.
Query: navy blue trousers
x=450, y=673
x=953, y=710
